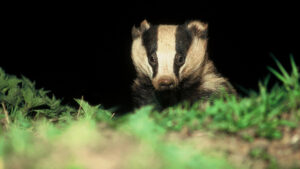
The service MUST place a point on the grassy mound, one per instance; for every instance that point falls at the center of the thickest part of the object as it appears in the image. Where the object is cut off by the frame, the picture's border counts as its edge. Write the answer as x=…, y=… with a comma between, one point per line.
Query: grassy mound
x=258, y=131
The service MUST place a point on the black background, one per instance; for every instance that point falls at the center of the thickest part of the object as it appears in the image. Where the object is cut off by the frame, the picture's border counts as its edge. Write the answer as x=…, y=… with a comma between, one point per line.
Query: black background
x=79, y=50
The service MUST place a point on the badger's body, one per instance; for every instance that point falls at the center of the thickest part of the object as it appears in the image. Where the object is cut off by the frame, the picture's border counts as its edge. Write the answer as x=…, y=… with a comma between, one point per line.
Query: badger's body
x=172, y=65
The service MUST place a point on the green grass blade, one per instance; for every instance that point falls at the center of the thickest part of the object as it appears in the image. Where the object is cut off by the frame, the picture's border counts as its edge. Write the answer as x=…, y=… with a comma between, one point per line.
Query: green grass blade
x=266, y=80
x=283, y=71
x=278, y=75
x=295, y=71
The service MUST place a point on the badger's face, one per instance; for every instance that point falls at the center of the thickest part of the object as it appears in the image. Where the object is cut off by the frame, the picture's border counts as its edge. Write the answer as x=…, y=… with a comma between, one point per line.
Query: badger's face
x=167, y=54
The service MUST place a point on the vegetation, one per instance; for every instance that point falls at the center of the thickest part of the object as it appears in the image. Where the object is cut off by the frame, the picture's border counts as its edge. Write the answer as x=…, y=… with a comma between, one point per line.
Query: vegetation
x=37, y=131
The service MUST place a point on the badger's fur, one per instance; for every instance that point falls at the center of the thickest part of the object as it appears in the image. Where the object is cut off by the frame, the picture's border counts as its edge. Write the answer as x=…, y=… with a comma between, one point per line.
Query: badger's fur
x=172, y=65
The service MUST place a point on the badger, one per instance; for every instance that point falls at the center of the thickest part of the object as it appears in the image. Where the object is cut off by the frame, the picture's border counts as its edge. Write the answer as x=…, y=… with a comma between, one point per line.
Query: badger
x=172, y=65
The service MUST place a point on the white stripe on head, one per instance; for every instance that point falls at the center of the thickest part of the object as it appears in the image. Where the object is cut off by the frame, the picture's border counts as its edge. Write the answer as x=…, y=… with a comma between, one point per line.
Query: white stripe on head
x=140, y=59
x=166, y=50
x=194, y=58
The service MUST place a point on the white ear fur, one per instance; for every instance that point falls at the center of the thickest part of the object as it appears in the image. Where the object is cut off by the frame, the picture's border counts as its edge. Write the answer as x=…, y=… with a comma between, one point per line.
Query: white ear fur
x=198, y=24
x=136, y=32
x=144, y=25
x=198, y=28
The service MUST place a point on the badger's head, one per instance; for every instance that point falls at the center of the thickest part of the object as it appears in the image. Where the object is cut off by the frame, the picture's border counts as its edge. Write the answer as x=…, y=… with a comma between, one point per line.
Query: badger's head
x=168, y=54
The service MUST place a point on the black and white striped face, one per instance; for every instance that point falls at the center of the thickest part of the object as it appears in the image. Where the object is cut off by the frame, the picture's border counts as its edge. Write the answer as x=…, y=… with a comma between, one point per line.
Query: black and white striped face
x=168, y=53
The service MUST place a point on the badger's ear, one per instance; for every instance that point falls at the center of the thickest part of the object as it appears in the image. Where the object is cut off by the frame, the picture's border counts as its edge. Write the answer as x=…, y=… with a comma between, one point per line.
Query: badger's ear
x=137, y=32
x=198, y=29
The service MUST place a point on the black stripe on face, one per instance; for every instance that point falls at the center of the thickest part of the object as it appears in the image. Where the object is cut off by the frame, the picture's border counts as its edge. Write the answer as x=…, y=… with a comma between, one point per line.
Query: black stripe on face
x=183, y=42
x=149, y=39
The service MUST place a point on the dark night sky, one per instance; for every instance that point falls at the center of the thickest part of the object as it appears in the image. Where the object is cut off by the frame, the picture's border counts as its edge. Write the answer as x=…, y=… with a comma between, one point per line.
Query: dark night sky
x=79, y=51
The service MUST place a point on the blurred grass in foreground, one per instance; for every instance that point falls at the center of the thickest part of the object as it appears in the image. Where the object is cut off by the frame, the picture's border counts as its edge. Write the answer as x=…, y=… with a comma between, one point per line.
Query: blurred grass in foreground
x=37, y=131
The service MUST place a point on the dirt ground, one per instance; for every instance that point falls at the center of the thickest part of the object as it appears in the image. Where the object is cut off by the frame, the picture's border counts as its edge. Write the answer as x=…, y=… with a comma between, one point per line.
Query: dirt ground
x=115, y=150
x=258, y=154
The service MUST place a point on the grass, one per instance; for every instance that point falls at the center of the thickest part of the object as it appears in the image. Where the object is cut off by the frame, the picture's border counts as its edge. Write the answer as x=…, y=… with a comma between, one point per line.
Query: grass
x=39, y=132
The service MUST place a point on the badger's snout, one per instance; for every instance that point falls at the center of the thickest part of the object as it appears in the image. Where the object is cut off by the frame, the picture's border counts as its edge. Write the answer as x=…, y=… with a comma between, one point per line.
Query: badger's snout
x=164, y=83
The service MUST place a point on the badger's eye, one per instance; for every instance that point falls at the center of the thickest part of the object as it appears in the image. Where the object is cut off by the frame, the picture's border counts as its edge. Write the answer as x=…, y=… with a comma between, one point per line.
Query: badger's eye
x=153, y=59
x=179, y=59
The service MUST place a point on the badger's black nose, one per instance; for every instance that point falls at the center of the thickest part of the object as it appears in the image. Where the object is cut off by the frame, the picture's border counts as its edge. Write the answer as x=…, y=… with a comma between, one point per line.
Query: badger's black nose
x=166, y=83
